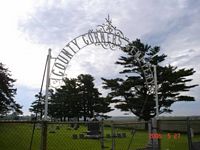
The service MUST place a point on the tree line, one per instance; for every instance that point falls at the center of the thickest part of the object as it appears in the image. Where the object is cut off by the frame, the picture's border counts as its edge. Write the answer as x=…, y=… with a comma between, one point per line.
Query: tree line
x=77, y=98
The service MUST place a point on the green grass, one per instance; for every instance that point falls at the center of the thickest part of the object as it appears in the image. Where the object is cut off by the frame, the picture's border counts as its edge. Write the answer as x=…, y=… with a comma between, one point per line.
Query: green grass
x=17, y=137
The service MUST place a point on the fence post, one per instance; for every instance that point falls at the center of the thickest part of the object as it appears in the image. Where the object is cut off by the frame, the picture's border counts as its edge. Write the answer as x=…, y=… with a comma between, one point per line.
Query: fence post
x=43, y=143
x=158, y=130
x=113, y=136
x=150, y=141
x=189, y=134
x=155, y=143
x=102, y=135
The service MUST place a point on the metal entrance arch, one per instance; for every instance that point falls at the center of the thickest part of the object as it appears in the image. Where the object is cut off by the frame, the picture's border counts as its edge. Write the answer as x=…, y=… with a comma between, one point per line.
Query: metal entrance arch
x=108, y=37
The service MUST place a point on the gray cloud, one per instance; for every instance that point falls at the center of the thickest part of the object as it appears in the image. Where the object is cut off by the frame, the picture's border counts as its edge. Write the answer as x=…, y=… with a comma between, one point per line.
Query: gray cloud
x=173, y=25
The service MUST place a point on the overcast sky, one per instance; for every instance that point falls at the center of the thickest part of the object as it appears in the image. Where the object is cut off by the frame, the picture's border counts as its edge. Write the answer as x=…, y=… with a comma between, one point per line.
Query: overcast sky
x=29, y=28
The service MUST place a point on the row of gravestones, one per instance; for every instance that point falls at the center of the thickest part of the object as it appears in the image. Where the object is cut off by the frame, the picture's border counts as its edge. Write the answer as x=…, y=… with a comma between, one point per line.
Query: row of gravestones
x=82, y=136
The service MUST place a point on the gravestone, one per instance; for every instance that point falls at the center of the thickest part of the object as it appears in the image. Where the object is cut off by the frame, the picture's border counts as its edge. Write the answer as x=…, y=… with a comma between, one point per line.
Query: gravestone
x=93, y=128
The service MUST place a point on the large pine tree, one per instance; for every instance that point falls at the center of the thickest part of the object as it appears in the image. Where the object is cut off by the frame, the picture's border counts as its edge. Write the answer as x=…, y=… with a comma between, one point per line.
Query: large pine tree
x=64, y=103
x=131, y=94
x=7, y=92
x=91, y=101
x=88, y=95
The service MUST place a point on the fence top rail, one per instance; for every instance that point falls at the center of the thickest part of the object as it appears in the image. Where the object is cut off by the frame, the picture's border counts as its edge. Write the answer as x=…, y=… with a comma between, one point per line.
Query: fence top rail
x=127, y=123
x=19, y=121
x=171, y=120
x=75, y=122
x=196, y=118
x=49, y=122
x=86, y=122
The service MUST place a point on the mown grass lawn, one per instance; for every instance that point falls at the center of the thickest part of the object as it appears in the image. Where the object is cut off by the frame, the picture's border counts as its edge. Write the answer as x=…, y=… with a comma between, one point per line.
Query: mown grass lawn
x=18, y=136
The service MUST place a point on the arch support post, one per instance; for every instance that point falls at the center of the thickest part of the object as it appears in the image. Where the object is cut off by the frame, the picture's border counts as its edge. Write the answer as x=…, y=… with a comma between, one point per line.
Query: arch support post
x=156, y=91
x=47, y=84
x=154, y=123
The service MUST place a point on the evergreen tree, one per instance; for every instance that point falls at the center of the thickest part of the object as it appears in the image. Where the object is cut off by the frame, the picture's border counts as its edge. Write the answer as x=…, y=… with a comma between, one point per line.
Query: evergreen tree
x=103, y=106
x=7, y=93
x=65, y=103
x=91, y=101
x=38, y=105
x=131, y=94
x=77, y=98
x=88, y=95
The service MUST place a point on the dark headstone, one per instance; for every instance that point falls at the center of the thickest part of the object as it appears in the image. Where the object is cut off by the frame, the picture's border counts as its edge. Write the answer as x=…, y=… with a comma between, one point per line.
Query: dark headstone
x=124, y=135
x=108, y=136
x=57, y=128
x=74, y=136
x=93, y=128
x=81, y=136
x=119, y=135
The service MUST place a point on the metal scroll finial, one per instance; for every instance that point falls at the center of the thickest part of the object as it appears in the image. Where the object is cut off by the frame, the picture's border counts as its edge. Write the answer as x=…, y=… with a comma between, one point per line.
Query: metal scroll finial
x=112, y=31
x=108, y=20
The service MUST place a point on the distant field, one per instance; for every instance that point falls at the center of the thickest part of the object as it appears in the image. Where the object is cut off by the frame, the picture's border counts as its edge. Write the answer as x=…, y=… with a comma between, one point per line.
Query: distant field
x=168, y=124
x=17, y=137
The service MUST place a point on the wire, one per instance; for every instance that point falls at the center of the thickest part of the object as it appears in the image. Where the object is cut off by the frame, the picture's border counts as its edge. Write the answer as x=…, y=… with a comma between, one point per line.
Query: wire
x=39, y=100
x=133, y=133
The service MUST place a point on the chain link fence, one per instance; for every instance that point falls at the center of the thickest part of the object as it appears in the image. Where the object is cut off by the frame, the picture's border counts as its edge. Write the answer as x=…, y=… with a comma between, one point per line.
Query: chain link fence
x=17, y=135
x=181, y=134
x=193, y=132
x=97, y=135
x=126, y=136
x=74, y=136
